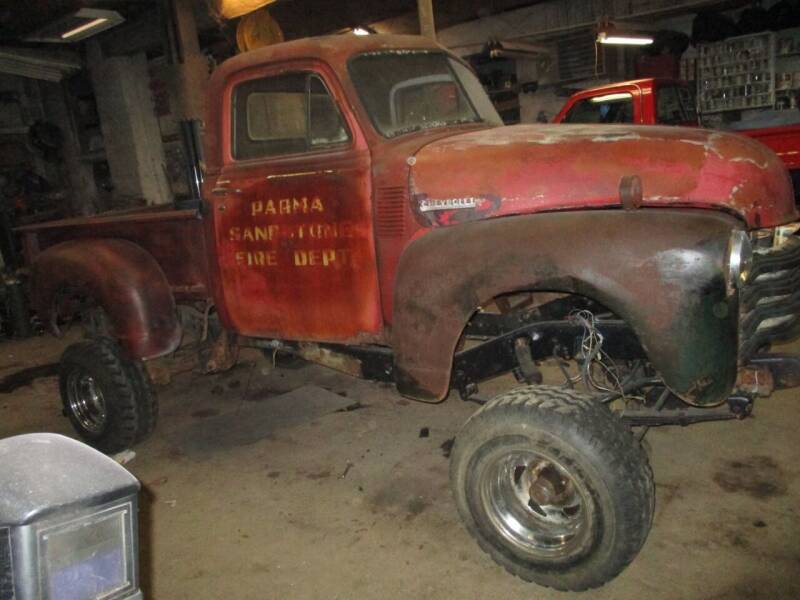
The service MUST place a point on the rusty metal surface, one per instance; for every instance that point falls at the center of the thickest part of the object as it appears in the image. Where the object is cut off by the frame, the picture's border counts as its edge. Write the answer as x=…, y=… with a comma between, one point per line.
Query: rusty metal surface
x=223, y=354
x=175, y=239
x=122, y=278
x=756, y=380
x=630, y=192
x=784, y=369
x=530, y=168
x=331, y=359
x=295, y=256
x=659, y=270
x=134, y=215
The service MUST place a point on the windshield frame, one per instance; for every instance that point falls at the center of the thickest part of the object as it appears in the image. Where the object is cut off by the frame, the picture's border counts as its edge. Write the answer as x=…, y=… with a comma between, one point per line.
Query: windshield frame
x=480, y=119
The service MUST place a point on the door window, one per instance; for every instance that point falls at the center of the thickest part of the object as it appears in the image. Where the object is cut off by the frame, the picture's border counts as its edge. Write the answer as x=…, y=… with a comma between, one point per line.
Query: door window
x=286, y=114
x=610, y=108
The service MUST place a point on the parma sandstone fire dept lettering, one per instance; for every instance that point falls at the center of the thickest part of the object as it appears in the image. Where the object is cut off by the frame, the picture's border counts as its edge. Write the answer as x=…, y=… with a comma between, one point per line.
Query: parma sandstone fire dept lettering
x=251, y=256
x=287, y=206
x=253, y=234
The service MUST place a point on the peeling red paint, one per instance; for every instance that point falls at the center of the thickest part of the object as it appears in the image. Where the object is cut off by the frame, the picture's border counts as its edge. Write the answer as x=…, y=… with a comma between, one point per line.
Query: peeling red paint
x=534, y=168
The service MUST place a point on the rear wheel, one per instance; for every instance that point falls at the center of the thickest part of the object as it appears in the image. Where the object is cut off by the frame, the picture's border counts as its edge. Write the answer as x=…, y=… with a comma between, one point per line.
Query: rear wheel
x=553, y=487
x=106, y=397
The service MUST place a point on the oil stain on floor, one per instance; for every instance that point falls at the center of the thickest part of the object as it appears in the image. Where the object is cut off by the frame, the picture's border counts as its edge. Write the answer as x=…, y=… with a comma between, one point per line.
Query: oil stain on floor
x=757, y=476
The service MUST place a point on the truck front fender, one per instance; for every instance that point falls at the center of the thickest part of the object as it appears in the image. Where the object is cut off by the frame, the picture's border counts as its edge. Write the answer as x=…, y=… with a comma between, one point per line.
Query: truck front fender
x=661, y=270
x=124, y=279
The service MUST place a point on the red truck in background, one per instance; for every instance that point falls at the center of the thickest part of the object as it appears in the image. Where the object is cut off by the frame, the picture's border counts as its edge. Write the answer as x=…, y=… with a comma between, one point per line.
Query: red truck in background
x=657, y=101
x=364, y=207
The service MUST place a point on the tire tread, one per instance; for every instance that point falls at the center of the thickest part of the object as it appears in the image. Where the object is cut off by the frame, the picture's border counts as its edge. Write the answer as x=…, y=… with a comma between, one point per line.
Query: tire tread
x=606, y=435
x=135, y=405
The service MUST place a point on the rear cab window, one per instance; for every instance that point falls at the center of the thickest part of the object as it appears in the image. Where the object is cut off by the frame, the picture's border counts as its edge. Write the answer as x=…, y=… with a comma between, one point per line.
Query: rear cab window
x=675, y=105
x=290, y=113
x=608, y=108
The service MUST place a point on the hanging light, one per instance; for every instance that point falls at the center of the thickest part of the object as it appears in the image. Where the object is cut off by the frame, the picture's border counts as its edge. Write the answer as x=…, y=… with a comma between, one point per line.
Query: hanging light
x=623, y=38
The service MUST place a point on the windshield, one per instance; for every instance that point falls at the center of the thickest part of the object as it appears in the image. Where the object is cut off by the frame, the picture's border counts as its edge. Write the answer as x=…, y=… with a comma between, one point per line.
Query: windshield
x=410, y=91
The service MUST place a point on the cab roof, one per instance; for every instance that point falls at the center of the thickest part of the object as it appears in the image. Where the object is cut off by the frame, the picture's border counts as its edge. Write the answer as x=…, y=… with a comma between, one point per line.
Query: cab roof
x=333, y=49
x=644, y=82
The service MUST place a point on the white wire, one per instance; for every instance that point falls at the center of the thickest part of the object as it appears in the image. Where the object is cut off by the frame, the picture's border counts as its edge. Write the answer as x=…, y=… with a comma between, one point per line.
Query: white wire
x=593, y=355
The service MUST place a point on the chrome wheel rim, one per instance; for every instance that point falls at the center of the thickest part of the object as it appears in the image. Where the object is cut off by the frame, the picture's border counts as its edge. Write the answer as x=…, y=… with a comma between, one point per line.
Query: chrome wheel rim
x=86, y=401
x=536, y=505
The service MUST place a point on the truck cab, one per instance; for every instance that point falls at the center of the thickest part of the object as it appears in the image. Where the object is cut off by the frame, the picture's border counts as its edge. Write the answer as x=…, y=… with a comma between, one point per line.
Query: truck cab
x=639, y=102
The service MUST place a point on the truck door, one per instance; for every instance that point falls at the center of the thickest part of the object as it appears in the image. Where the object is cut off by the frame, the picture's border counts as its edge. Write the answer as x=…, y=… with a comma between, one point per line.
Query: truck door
x=292, y=211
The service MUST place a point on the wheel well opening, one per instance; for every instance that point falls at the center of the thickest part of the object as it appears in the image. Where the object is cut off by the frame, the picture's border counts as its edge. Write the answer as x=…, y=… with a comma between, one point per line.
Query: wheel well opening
x=548, y=336
x=75, y=304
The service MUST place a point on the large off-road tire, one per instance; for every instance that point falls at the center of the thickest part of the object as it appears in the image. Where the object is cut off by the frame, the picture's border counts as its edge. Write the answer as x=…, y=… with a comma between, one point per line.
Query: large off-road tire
x=108, y=398
x=553, y=487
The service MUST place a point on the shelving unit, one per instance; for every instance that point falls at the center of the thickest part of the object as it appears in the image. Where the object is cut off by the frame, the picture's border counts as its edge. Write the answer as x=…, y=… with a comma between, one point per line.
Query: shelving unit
x=787, y=68
x=737, y=74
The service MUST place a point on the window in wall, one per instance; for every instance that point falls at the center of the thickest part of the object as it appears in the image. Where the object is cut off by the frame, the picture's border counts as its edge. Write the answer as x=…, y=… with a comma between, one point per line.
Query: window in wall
x=611, y=108
x=285, y=114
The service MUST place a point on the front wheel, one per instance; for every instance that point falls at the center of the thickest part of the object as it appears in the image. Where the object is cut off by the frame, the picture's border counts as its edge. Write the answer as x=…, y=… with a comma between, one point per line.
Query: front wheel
x=553, y=487
x=108, y=399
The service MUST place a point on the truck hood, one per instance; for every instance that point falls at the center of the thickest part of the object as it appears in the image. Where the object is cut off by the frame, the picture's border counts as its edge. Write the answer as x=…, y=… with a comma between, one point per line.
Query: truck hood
x=536, y=168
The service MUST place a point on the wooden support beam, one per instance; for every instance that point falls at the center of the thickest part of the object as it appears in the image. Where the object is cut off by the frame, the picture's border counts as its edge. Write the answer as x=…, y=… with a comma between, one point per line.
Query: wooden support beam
x=427, y=24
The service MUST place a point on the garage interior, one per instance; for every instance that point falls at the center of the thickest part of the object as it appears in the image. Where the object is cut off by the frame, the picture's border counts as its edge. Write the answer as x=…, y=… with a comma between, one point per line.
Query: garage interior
x=272, y=472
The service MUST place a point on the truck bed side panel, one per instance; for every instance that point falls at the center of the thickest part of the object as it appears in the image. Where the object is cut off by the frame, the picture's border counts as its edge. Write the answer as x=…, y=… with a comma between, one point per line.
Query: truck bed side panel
x=174, y=238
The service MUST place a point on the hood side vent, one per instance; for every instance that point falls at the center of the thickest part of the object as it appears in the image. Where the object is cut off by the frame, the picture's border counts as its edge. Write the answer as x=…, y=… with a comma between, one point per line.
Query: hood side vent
x=390, y=209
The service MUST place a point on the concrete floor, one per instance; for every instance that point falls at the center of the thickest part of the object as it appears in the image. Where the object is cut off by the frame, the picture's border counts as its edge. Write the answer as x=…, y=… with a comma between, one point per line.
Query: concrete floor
x=245, y=498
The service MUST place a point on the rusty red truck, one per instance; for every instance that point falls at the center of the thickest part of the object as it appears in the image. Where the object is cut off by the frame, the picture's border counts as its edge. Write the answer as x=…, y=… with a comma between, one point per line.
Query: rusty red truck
x=365, y=208
x=660, y=101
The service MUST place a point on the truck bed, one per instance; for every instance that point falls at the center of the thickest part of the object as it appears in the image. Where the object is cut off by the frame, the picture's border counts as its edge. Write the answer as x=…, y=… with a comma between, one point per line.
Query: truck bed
x=175, y=238
x=784, y=140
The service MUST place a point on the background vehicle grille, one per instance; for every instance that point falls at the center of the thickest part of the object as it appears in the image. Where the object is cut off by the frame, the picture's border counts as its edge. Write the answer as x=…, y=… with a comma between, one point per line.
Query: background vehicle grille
x=769, y=304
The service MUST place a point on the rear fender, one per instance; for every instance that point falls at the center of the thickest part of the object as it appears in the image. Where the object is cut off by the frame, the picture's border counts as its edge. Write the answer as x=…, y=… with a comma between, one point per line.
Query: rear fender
x=660, y=270
x=124, y=279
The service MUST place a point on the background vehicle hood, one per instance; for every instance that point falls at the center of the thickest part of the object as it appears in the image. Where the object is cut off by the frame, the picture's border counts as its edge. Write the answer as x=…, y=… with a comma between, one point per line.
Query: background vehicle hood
x=536, y=168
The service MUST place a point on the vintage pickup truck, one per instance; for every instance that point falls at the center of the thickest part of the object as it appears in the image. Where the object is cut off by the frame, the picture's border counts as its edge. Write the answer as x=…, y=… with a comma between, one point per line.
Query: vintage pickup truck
x=365, y=208
x=658, y=101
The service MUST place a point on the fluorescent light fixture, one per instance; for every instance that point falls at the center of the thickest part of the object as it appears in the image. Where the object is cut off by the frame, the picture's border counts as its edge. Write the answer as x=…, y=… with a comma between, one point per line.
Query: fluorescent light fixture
x=361, y=31
x=84, y=27
x=611, y=97
x=76, y=26
x=624, y=39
